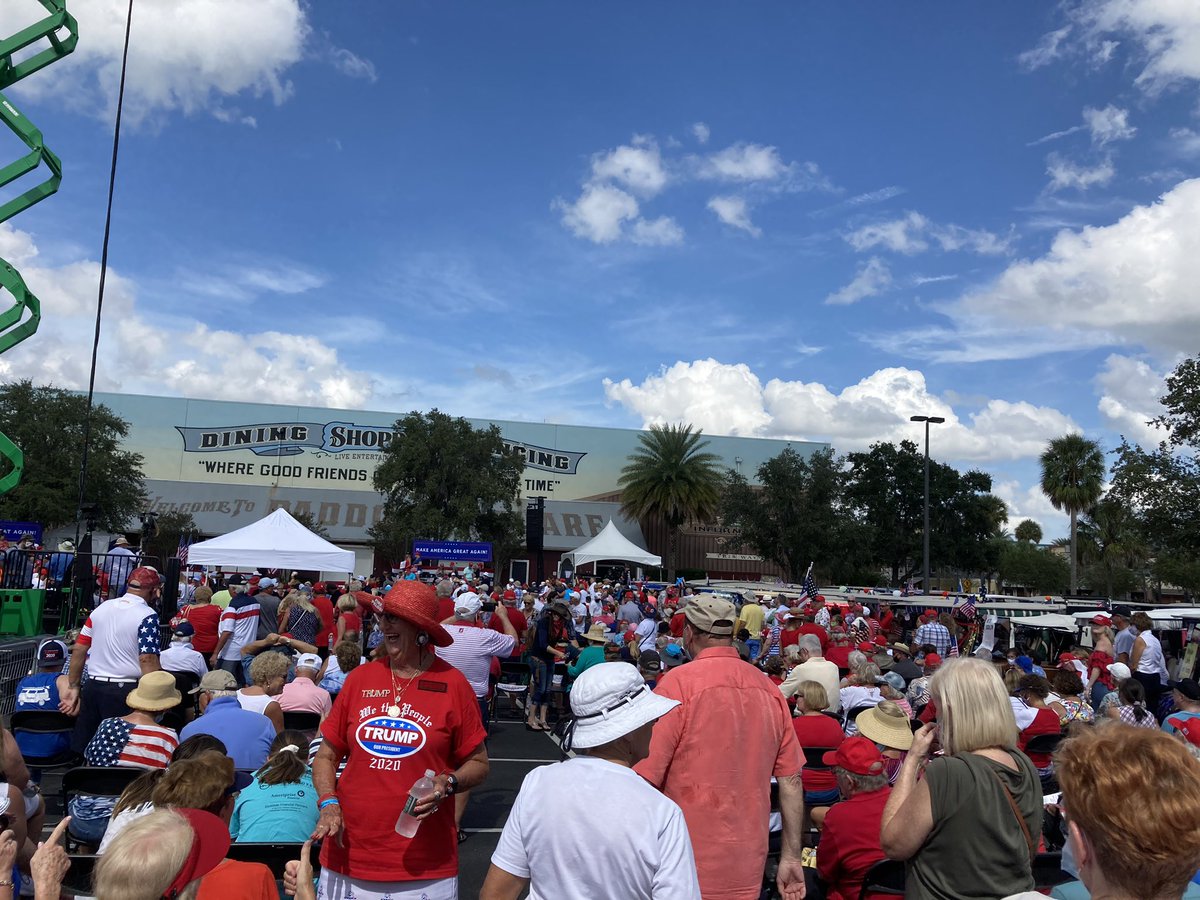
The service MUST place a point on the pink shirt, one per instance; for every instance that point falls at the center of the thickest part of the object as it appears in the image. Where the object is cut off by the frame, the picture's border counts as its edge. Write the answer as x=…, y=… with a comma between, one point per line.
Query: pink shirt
x=715, y=755
x=302, y=695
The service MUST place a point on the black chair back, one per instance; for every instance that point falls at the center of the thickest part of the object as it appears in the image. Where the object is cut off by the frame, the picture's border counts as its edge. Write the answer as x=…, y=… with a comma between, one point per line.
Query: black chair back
x=272, y=855
x=853, y=714
x=301, y=721
x=1044, y=743
x=814, y=758
x=100, y=781
x=41, y=721
x=884, y=877
x=78, y=879
x=1048, y=871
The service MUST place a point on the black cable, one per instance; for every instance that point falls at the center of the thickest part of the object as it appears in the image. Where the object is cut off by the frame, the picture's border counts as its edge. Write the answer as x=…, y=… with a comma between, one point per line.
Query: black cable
x=112, y=181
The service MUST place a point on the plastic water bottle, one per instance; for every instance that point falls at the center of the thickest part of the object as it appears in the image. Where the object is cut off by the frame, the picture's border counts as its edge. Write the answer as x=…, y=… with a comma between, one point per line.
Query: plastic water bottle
x=408, y=824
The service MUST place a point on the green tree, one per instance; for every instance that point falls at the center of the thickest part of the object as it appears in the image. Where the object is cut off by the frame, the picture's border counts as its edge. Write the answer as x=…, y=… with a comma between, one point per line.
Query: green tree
x=1035, y=569
x=797, y=516
x=443, y=479
x=1029, y=531
x=47, y=423
x=168, y=528
x=1072, y=479
x=671, y=477
x=1111, y=546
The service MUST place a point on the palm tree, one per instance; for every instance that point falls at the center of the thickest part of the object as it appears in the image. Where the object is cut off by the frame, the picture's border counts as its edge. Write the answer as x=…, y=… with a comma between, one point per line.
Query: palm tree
x=1028, y=530
x=1111, y=537
x=669, y=476
x=1072, y=479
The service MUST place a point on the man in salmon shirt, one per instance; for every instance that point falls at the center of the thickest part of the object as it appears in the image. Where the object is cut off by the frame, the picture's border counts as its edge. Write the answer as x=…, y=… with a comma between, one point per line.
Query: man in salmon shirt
x=715, y=755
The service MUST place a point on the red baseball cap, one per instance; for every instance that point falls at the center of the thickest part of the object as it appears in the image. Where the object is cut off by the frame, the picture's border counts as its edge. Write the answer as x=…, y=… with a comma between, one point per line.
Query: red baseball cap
x=210, y=843
x=880, y=640
x=1190, y=729
x=932, y=660
x=865, y=647
x=1101, y=619
x=857, y=755
x=144, y=577
x=1067, y=658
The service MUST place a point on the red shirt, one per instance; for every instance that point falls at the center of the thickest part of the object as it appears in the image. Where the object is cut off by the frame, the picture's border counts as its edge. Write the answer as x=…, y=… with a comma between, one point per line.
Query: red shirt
x=1101, y=661
x=818, y=731
x=788, y=637
x=714, y=755
x=519, y=624
x=439, y=727
x=247, y=880
x=204, y=618
x=353, y=623
x=445, y=608
x=839, y=656
x=325, y=610
x=677, y=621
x=850, y=844
x=1045, y=722
x=821, y=633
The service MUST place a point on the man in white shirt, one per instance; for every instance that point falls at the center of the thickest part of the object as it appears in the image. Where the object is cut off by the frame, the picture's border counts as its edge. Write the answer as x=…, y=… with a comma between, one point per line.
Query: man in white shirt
x=814, y=667
x=181, y=656
x=471, y=653
x=636, y=839
x=119, y=643
x=119, y=563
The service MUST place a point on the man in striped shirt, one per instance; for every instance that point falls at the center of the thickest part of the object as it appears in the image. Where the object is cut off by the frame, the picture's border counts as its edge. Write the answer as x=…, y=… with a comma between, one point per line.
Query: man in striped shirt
x=238, y=627
x=935, y=633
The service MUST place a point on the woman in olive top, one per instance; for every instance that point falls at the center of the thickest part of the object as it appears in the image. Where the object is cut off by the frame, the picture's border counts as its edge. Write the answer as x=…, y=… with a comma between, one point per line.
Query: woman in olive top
x=597, y=637
x=981, y=801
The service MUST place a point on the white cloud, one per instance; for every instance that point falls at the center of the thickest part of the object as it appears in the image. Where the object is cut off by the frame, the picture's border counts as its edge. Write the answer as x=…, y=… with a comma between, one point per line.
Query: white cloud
x=1129, y=283
x=1129, y=392
x=1108, y=124
x=352, y=65
x=743, y=162
x=1048, y=49
x=873, y=277
x=1030, y=503
x=1066, y=174
x=730, y=399
x=1165, y=32
x=599, y=212
x=701, y=132
x=187, y=55
x=662, y=232
x=1055, y=135
x=912, y=233
x=151, y=351
x=1185, y=141
x=734, y=211
x=637, y=165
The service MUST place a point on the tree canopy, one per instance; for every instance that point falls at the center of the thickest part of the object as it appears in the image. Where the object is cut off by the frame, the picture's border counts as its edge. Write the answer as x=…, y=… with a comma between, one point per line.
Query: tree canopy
x=1073, y=480
x=671, y=477
x=444, y=479
x=799, y=515
x=48, y=424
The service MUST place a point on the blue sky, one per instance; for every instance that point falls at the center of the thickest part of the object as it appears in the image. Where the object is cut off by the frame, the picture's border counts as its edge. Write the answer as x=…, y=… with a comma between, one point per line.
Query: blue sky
x=807, y=220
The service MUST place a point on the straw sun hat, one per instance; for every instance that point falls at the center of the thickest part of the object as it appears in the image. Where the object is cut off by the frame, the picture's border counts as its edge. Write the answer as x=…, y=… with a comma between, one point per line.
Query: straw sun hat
x=155, y=692
x=886, y=724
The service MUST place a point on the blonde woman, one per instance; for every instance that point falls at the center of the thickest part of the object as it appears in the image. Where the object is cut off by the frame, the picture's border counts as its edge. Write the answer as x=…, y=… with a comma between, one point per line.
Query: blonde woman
x=981, y=800
x=1099, y=680
x=298, y=618
x=349, y=622
x=268, y=674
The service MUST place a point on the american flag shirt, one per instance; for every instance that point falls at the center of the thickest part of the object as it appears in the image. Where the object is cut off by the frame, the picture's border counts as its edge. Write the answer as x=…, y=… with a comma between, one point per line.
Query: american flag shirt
x=121, y=743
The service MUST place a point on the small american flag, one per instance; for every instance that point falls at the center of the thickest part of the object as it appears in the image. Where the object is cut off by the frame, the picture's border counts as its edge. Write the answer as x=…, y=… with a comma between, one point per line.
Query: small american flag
x=185, y=542
x=810, y=586
x=966, y=606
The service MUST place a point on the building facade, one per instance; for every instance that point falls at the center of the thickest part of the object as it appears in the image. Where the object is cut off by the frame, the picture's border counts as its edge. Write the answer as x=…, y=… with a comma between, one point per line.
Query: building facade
x=229, y=464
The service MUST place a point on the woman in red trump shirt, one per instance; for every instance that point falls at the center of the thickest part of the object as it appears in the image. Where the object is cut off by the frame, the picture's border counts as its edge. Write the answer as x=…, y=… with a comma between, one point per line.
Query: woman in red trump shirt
x=395, y=718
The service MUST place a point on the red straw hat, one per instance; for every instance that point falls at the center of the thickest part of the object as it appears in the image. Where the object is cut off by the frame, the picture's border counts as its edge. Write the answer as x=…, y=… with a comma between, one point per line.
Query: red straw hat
x=1101, y=619
x=364, y=598
x=416, y=603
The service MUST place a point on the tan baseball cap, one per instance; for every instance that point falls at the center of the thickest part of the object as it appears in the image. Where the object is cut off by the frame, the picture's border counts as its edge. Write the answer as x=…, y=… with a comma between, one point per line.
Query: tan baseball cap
x=712, y=614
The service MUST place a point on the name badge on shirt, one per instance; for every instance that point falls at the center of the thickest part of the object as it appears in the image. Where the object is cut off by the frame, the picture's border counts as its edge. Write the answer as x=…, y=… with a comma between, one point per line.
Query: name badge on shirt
x=437, y=687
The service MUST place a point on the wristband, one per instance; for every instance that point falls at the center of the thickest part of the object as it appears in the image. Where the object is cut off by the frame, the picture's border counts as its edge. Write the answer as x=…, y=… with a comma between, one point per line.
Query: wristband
x=327, y=800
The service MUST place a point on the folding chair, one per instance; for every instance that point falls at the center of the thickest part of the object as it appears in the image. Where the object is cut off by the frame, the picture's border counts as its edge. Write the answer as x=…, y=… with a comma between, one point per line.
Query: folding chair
x=99, y=781
x=1046, y=743
x=885, y=877
x=307, y=722
x=513, y=683
x=49, y=721
x=813, y=762
x=272, y=855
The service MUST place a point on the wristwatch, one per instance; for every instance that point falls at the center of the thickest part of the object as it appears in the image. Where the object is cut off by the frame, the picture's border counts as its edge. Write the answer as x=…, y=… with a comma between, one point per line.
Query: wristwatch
x=451, y=784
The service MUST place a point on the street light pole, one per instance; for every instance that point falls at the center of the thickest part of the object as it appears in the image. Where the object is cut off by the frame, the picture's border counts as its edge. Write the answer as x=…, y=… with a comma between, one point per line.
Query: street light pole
x=928, y=420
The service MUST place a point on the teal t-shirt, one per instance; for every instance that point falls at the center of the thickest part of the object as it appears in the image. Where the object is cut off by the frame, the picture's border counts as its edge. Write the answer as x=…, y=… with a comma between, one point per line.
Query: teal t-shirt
x=282, y=813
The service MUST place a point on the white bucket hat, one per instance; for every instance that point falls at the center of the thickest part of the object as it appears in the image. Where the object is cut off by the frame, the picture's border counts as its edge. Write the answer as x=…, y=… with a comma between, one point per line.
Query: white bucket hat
x=610, y=700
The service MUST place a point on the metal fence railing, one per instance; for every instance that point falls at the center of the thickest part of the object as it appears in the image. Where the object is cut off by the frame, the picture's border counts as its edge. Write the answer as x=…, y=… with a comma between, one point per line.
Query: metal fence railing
x=16, y=661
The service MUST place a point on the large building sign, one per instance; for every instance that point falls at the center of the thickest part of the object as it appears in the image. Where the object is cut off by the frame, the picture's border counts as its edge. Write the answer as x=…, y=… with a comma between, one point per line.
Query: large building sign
x=229, y=464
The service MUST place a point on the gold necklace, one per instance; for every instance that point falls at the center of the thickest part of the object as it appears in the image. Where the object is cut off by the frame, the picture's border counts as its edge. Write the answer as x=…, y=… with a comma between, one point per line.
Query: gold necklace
x=397, y=696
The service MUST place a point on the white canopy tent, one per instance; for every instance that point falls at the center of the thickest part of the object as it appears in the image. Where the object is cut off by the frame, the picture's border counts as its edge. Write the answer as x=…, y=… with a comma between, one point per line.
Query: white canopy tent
x=275, y=542
x=611, y=544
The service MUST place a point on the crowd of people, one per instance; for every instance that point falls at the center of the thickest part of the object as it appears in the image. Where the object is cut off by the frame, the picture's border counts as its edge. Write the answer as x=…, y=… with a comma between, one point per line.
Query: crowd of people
x=716, y=749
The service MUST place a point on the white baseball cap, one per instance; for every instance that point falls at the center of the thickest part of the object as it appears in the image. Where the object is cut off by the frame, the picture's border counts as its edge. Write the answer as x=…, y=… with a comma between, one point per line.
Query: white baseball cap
x=308, y=661
x=467, y=605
